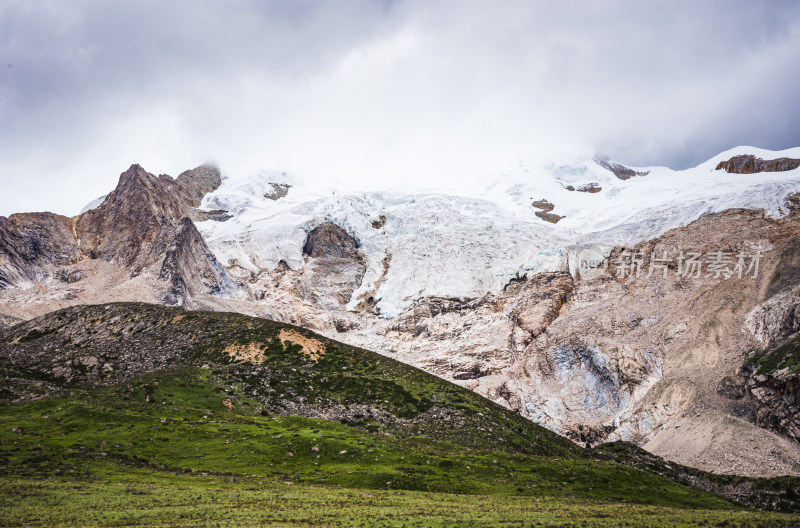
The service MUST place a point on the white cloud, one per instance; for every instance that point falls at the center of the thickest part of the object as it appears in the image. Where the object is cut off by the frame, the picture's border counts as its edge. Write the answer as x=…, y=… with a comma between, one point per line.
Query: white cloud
x=371, y=93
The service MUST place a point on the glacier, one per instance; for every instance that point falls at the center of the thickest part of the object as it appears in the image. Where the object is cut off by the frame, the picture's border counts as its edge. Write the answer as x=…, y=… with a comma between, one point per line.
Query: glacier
x=466, y=242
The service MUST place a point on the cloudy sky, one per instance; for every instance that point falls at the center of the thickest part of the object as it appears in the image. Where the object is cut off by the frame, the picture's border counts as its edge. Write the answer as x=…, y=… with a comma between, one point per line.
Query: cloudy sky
x=381, y=92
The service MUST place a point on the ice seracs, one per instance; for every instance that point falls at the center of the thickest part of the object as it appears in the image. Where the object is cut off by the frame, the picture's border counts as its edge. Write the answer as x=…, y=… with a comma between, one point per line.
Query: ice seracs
x=466, y=242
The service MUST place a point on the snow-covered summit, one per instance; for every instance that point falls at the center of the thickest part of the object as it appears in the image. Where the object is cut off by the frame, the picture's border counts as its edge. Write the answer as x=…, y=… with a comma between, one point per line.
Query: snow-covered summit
x=465, y=242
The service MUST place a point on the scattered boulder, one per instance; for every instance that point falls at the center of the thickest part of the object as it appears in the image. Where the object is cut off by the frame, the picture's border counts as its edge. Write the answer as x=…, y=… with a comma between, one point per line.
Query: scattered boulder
x=549, y=217
x=588, y=187
x=377, y=224
x=544, y=205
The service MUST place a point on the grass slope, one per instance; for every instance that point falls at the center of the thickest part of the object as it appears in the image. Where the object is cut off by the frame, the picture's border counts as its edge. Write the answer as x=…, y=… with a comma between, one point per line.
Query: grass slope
x=147, y=420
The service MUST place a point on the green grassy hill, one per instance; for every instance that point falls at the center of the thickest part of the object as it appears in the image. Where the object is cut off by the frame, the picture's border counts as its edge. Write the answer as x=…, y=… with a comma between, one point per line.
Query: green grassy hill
x=129, y=414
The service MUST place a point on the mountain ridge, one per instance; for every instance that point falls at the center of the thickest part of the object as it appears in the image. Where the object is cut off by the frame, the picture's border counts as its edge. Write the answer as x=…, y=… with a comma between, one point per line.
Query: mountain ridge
x=477, y=289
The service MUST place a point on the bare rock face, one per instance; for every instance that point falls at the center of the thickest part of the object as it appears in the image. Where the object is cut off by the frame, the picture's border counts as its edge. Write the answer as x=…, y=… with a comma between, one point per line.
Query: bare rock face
x=134, y=224
x=770, y=400
x=198, y=182
x=317, y=294
x=191, y=268
x=749, y=164
x=537, y=303
x=330, y=240
x=620, y=171
x=776, y=319
x=33, y=246
x=777, y=399
x=333, y=271
x=473, y=340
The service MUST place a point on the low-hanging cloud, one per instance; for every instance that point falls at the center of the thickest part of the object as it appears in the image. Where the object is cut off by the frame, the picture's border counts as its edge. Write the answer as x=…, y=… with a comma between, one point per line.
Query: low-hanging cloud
x=380, y=93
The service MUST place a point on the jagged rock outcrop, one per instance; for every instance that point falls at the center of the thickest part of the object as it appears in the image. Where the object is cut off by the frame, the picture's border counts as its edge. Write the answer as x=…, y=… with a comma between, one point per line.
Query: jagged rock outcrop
x=776, y=319
x=191, y=268
x=134, y=224
x=620, y=171
x=767, y=387
x=769, y=400
x=776, y=397
x=33, y=246
x=749, y=164
x=537, y=303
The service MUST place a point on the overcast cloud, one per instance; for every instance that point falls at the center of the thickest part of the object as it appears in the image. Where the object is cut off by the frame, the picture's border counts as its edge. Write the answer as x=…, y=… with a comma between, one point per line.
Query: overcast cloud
x=380, y=93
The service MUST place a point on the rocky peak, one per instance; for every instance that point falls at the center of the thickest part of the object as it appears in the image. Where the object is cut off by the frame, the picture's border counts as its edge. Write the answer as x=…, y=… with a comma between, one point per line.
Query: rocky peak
x=134, y=224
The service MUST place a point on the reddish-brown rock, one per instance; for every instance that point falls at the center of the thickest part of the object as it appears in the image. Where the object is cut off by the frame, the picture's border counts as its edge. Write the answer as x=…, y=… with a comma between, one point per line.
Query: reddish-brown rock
x=749, y=164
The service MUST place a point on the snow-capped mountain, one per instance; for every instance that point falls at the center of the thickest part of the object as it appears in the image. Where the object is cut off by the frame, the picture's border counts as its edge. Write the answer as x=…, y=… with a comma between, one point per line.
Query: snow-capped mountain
x=482, y=284
x=469, y=242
